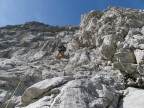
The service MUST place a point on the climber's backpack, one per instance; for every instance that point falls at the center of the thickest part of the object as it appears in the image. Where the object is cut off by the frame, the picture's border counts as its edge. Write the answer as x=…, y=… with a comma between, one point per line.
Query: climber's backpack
x=61, y=47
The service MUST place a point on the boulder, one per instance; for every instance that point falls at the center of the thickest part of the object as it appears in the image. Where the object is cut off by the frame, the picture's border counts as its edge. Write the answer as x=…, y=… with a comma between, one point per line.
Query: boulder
x=133, y=98
x=86, y=93
x=127, y=67
x=125, y=56
x=38, y=89
x=135, y=23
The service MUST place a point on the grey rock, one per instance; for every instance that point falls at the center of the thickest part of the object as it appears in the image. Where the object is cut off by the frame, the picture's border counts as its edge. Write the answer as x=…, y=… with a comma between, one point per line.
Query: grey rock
x=142, y=30
x=108, y=47
x=127, y=67
x=85, y=18
x=36, y=90
x=133, y=98
x=103, y=55
x=44, y=102
x=139, y=56
x=3, y=96
x=86, y=93
x=125, y=56
x=3, y=83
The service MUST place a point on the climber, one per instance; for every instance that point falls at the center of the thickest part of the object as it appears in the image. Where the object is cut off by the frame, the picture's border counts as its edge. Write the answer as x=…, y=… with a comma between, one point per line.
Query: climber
x=61, y=50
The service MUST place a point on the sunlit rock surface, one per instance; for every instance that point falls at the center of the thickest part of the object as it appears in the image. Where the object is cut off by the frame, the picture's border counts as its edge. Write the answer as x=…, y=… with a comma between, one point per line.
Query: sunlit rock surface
x=104, y=57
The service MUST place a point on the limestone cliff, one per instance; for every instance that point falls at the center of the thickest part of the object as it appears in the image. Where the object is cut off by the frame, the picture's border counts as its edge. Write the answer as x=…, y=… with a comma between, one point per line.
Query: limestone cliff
x=103, y=59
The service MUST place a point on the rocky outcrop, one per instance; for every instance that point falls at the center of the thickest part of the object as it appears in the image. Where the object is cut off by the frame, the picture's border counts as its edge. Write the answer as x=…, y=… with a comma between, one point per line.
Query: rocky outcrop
x=28, y=50
x=104, y=57
x=116, y=34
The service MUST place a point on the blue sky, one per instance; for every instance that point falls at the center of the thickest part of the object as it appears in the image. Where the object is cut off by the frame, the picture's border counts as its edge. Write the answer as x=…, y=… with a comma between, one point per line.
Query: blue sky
x=56, y=12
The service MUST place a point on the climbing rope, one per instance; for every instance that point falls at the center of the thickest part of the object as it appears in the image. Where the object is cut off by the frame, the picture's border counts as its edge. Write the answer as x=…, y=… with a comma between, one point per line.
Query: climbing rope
x=14, y=92
x=17, y=88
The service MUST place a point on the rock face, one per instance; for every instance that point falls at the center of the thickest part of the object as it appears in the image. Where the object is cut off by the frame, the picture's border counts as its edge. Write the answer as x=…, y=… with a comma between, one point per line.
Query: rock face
x=104, y=56
x=117, y=35
x=86, y=93
x=28, y=50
